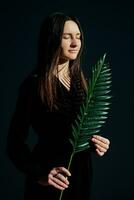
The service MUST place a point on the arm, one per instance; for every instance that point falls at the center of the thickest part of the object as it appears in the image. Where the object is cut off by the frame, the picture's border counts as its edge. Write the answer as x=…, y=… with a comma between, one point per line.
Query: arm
x=17, y=149
x=19, y=152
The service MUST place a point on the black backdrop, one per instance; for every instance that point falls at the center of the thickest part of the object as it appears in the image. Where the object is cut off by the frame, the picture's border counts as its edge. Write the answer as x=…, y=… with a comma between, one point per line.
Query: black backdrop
x=108, y=27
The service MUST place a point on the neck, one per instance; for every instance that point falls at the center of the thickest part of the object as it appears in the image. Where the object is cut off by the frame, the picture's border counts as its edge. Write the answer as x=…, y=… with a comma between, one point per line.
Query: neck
x=63, y=66
x=63, y=74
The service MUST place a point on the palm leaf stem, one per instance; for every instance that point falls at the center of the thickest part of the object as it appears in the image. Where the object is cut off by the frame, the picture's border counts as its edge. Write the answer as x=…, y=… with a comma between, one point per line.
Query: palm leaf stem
x=69, y=165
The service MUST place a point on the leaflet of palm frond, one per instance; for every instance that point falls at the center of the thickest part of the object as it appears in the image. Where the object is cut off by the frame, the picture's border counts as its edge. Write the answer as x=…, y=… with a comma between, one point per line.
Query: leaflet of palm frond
x=104, y=83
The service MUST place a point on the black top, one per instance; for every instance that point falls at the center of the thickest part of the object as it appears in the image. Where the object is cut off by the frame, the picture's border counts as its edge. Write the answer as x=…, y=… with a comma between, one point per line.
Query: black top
x=53, y=148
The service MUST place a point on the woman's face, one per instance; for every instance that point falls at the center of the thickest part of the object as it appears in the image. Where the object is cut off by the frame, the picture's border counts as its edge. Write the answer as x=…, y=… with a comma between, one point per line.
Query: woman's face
x=71, y=41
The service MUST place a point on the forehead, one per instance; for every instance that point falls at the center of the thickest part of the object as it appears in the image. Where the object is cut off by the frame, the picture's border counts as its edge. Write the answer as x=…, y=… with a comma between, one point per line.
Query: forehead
x=71, y=27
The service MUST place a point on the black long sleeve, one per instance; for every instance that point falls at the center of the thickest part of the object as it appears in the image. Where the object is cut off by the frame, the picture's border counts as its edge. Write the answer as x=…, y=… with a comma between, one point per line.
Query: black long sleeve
x=18, y=150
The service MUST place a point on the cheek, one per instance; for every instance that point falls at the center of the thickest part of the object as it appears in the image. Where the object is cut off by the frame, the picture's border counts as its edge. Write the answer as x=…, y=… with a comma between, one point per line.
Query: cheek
x=63, y=52
x=64, y=48
x=65, y=45
x=79, y=44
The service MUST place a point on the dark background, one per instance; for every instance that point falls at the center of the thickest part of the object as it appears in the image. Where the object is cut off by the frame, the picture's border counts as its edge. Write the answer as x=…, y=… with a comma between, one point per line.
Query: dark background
x=108, y=27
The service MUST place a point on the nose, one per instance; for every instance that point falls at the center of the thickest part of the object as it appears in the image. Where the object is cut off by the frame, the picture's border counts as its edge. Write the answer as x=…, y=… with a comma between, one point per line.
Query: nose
x=74, y=43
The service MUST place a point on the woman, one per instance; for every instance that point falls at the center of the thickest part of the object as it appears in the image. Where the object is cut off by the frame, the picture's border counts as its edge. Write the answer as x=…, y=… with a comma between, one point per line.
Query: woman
x=48, y=101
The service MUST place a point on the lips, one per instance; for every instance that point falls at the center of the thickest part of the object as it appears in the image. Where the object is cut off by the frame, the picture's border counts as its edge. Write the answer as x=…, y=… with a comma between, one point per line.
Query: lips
x=73, y=51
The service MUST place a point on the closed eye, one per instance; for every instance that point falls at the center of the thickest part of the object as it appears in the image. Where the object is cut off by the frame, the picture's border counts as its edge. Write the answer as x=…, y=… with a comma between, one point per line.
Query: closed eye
x=69, y=35
x=66, y=36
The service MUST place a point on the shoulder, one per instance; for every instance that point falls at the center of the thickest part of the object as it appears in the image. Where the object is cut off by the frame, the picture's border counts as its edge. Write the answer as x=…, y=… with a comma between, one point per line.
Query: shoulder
x=29, y=85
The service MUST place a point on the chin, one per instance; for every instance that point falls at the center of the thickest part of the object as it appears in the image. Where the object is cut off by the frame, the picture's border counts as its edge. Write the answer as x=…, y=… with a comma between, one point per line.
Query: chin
x=73, y=57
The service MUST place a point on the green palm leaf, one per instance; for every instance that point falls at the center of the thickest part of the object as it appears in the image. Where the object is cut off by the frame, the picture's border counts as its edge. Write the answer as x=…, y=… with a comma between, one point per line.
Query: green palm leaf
x=94, y=110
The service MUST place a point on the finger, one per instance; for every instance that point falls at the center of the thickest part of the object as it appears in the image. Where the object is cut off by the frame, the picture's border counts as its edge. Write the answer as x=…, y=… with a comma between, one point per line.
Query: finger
x=57, y=182
x=100, y=138
x=54, y=172
x=60, y=182
x=99, y=152
x=103, y=145
x=64, y=170
x=51, y=182
x=101, y=148
x=62, y=178
x=99, y=142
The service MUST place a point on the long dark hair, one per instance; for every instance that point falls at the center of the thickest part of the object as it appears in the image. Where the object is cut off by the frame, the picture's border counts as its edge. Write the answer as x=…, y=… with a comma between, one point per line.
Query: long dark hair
x=49, y=49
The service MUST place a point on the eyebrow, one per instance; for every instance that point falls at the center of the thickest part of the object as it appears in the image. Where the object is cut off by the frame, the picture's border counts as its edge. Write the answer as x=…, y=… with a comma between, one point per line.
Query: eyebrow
x=71, y=33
